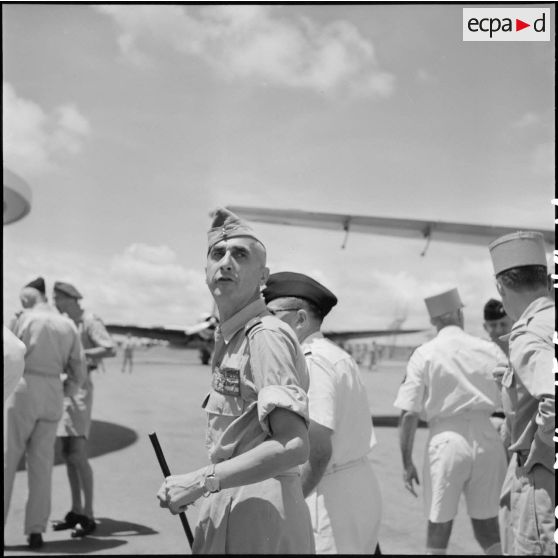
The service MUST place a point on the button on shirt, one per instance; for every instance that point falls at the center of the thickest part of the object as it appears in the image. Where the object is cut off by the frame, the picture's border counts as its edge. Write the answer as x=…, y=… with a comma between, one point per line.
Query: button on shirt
x=449, y=375
x=257, y=365
x=338, y=400
x=528, y=385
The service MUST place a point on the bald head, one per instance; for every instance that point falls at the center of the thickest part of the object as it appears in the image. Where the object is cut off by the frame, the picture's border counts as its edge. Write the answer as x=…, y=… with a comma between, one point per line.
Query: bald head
x=30, y=297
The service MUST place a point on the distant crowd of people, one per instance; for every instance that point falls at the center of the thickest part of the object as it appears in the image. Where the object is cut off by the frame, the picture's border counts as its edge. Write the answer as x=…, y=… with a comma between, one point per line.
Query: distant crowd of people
x=289, y=429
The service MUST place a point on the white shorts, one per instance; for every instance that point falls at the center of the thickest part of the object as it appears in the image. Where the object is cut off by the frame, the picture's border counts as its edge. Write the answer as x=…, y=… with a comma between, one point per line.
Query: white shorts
x=465, y=455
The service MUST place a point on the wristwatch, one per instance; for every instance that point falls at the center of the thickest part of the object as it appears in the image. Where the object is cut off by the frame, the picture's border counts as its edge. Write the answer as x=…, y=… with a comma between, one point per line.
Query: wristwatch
x=210, y=482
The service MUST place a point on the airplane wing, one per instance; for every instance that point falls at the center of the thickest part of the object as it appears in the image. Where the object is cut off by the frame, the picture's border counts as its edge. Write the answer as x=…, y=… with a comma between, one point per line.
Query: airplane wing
x=176, y=337
x=388, y=226
x=339, y=336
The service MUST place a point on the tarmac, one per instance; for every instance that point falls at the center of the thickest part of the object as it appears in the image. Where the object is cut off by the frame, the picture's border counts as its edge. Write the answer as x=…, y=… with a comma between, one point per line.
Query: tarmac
x=163, y=394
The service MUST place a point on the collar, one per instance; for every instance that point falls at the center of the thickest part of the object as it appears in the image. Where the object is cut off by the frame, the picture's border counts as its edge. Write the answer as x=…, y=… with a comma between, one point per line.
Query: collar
x=449, y=331
x=239, y=320
x=312, y=337
x=539, y=304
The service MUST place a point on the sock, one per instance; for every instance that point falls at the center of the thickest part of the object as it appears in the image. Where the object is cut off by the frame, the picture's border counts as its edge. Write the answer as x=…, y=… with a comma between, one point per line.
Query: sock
x=438, y=551
x=494, y=549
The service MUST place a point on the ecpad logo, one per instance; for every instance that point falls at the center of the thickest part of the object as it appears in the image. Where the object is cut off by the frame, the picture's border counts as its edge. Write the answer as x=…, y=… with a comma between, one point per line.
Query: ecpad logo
x=506, y=24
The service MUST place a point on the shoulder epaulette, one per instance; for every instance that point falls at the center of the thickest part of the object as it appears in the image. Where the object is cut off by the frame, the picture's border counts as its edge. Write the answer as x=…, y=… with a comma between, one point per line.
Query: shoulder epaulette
x=251, y=324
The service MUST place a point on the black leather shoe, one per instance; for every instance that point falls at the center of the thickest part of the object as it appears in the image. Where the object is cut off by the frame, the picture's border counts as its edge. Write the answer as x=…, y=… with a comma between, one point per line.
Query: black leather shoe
x=69, y=522
x=35, y=540
x=86, y=526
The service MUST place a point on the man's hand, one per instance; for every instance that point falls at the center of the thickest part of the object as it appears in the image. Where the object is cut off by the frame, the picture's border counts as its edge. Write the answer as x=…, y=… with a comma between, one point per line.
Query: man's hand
x=179, y=491
x=410, y=475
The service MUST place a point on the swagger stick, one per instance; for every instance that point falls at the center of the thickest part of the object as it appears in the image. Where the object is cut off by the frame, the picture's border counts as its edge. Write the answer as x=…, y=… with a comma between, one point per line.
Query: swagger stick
x=166, y=473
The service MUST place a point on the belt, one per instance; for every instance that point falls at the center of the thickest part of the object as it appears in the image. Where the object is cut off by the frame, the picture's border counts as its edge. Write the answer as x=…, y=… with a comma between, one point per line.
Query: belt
x=336, y=468
x=39, y=373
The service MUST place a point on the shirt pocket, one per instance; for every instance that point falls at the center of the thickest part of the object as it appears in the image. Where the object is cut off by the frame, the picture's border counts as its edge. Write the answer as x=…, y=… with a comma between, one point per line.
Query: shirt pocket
x=225, y=405
x=508, y=378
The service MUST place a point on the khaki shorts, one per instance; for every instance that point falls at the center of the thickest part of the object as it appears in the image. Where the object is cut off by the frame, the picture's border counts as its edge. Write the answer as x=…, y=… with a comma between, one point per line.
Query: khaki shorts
x=464, y=455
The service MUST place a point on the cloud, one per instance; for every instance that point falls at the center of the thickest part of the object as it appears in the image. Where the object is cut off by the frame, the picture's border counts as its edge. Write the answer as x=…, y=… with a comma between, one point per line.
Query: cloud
x=253, y=42
x=527, y=120
x=143, y=284
x=34, y=140
x=544, y=159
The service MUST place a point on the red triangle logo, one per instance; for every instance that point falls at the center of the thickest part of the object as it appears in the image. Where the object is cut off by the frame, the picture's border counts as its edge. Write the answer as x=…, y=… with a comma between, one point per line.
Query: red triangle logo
x=519, y=25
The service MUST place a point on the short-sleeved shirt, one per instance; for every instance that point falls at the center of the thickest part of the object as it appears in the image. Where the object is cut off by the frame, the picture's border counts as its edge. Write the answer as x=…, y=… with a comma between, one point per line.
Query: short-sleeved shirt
x=449, y=375
x=257, y=365
x=93, y=334
x=528, y=385
x=338, y=400
x=52, y=342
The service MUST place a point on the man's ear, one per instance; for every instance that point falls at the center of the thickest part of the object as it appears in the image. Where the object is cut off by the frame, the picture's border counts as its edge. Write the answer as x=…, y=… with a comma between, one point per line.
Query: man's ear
x=265, y=276
x=499, y=288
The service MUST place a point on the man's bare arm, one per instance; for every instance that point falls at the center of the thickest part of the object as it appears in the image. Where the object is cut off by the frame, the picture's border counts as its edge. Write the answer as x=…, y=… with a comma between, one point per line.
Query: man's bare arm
x=407, y=429
x=320, y=454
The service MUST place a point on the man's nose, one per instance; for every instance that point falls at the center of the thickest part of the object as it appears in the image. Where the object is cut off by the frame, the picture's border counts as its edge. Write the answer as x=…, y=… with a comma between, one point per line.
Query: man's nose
x=226, y=261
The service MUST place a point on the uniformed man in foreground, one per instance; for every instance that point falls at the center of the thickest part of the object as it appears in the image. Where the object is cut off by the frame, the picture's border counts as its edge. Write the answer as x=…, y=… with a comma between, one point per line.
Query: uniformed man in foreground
x=449, y=383
x=338, y=482
x=520, y=268
x=76, y=422
x=257, y=409
x=53, y=348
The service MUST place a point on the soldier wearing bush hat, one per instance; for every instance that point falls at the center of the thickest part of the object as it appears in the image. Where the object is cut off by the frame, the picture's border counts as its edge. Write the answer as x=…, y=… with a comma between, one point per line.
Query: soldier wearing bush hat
x=257, y=407
x=449, y=384
x=338, y=481
x=520, y=268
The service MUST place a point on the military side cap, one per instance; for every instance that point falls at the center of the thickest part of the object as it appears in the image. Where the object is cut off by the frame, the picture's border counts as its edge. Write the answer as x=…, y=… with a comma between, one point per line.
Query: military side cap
x=288, y=283
x=67, y=289
x=443, y=303
x=517, y=250
x=494, y=310
x=227, y=225
x=38, y=284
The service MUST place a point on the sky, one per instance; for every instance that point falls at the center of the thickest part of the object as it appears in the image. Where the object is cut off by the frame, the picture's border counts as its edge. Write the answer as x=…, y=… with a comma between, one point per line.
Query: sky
x=131, y=123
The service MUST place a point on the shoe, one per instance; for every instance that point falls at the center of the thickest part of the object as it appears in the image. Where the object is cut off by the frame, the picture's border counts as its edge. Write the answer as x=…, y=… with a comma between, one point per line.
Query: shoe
x=35, y=540
x=86, y=526
x=70, y=520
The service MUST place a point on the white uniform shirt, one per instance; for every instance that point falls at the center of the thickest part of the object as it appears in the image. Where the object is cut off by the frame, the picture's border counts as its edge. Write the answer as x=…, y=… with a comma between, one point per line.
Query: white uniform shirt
x=338, y=400
x=449, y=375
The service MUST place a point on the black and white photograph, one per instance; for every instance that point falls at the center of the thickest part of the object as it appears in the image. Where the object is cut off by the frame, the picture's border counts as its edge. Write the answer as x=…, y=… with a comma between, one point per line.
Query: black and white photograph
x=278, y=278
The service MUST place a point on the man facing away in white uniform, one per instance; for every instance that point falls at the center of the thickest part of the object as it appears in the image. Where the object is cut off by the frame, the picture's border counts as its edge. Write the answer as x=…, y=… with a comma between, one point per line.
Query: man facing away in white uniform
x=338, y=482
x=449, y=383
x=35, y=407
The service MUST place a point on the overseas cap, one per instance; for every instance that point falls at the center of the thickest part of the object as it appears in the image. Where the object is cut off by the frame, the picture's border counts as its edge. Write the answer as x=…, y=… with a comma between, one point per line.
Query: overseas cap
x=288, y=283
x=38, y=284
x=227, y=225
x=443, y=303
x=67, y=289
x=517, y=250
x=494, y=310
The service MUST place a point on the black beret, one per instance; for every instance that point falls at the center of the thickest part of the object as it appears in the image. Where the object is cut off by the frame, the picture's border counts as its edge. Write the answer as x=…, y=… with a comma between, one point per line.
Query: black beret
x=288, y=283
x=38, y=284
x=494, y=310
x=67, y=289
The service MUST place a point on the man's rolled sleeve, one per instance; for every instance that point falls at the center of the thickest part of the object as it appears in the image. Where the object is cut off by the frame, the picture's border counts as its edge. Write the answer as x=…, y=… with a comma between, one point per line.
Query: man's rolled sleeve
x=410, y=396
x=99, y=334
x=532, y=360
x=274, y=360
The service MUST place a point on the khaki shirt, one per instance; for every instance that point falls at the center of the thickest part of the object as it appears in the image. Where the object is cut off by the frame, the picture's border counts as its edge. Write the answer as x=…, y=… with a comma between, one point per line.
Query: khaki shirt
x=53, y=344
x=258, y=365
x=450, y=375
x=528, y=385
x=338, y=400
x=93, y=334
